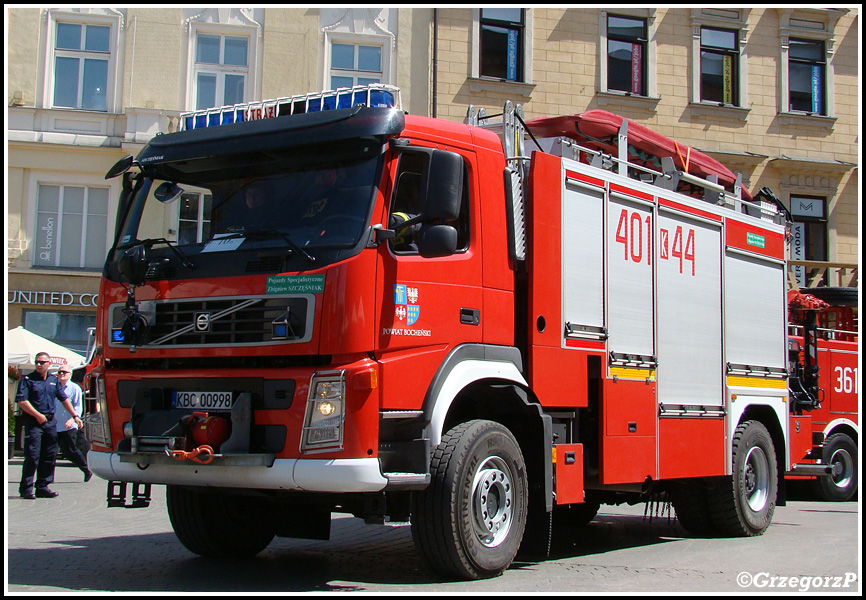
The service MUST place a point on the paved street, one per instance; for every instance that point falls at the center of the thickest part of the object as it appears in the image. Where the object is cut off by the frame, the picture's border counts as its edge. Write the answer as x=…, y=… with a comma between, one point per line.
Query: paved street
x=75, y=544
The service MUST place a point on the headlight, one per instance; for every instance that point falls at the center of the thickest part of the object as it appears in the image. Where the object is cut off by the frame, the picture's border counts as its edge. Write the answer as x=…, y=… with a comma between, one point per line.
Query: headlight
x=324, y=419
x=97, y=427
x=326, y=409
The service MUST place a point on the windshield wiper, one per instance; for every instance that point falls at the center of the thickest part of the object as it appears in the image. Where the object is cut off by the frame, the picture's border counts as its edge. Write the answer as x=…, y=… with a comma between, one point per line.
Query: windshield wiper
x=269, y=233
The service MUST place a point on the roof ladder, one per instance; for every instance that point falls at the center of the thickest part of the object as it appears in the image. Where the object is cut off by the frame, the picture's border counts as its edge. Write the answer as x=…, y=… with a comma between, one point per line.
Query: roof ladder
x=512, y=133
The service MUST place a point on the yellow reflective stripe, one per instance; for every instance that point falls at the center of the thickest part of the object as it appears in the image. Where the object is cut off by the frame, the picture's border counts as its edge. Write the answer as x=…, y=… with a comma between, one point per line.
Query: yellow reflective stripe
x=757, y=382
x=633, y=373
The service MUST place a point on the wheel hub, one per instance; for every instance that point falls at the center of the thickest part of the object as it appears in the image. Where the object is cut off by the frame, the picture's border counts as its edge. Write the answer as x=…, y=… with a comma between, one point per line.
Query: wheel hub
x=843, y=468
x=756, y=479
x=492, y=503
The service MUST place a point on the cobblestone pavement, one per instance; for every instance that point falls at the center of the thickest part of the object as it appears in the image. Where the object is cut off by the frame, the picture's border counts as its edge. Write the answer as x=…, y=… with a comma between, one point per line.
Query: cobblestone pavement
x=75, y=544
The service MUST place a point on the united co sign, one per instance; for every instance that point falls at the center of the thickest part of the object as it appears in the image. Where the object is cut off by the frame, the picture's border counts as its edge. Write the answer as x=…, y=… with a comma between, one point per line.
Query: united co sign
x=51, y=298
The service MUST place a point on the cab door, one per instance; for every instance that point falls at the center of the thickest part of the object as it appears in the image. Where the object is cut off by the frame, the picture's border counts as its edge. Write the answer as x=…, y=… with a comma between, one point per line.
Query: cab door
x=429, y=284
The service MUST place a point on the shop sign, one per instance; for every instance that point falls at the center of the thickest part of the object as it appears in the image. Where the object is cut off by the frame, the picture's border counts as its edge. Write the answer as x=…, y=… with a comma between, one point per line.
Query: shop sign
x=35, y=297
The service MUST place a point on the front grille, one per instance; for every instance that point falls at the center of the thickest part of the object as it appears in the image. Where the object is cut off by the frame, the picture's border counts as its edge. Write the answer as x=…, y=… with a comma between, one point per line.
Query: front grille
x=157, y=271
x=268, y=264
x=221, y=321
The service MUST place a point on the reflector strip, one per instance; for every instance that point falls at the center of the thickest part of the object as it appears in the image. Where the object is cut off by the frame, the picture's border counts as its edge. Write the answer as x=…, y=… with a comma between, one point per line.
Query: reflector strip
x=638, y=373
x=757, y=382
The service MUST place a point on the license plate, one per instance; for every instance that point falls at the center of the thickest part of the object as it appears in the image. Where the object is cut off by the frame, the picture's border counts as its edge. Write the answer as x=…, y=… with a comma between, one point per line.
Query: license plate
x=202, y=400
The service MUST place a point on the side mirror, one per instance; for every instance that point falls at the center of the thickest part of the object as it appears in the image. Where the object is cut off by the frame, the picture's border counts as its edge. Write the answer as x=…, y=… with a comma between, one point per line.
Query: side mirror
x=167, y=192
x=437, y=241
x=121, y=166
x=444, y=186
x=132, y=264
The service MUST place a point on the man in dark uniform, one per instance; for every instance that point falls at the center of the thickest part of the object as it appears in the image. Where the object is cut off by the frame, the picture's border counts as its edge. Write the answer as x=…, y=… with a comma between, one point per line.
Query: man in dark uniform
x=36, y=396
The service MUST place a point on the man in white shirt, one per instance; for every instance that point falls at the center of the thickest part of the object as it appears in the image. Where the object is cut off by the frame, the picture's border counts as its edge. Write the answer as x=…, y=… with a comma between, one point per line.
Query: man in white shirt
x=67, y=429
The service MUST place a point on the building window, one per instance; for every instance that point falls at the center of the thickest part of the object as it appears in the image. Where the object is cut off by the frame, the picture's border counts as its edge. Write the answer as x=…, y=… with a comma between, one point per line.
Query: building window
x=221, y=70
x=82, y=54
x=808, y=40
x=627, y=54
x=806, y=76
x=64, y=328
x=71, y=226
x=809, y=230
x=194, y=218
x=720, y=65
x=502, y=41
x=355, y=64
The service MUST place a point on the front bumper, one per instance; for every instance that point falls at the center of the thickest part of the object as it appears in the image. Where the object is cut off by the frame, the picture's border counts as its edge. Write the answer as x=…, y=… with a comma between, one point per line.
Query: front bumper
x=309, y=475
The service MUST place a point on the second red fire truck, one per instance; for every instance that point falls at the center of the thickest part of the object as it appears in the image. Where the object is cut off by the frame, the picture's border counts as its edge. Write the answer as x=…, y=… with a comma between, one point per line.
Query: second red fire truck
x=412, y=319
x=825, y=365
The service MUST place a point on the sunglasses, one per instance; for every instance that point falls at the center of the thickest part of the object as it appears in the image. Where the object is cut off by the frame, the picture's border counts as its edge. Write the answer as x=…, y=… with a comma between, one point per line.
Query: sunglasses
x=64, y=372
x=42, y=362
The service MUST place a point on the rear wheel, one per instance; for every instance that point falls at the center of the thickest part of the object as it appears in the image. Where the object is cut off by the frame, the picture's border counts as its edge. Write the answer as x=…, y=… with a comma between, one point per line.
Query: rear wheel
x=743, y=504
x=690, y=502
x=469, y=522
x=840, y=452
x=218, y=524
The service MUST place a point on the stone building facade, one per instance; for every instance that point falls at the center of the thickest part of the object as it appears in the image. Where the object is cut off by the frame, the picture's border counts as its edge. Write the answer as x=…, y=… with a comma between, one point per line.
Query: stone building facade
x=772, y=93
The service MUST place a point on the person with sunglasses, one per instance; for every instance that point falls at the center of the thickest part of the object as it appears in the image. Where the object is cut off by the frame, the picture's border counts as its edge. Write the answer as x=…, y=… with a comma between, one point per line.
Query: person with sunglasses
x=37, y=394
x=67, y=424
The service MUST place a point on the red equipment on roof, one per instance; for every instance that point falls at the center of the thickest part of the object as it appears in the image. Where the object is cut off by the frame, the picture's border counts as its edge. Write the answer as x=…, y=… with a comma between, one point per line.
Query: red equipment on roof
x=598, y=129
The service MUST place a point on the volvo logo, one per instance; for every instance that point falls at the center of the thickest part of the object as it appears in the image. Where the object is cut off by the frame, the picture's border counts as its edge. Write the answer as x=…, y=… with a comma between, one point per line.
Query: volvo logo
x=202, y=321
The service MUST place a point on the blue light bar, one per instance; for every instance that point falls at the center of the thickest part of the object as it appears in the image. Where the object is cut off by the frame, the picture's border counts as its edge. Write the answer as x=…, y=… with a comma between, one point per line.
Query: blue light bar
x=374, y=95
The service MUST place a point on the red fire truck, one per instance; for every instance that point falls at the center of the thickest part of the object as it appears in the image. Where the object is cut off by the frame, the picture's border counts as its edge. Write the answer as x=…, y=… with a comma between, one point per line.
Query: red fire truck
x=406, y=318
x=825, y=363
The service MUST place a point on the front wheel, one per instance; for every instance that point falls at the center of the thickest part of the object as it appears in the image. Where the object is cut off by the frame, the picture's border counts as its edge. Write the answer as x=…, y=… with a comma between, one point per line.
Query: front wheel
x=218, y=524
x=469, y=522
x=840, y=452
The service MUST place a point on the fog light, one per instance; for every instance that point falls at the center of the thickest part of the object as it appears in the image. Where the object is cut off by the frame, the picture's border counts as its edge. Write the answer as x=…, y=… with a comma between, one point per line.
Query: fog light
x=97, y=425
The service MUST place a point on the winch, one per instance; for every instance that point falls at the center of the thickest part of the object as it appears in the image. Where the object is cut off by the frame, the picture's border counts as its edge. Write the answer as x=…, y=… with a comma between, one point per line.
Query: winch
x=207, y=433
x=209, y=430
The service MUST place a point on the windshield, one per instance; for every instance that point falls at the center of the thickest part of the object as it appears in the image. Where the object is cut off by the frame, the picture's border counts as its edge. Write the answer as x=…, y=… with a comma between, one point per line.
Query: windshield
x=301, y=209
x=313, y=205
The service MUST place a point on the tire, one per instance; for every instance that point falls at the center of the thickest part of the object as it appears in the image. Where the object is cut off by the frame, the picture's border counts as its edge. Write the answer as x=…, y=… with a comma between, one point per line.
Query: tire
x=691, y=504
x=841, y=452
x=218, y=525
x=835, y=296
x=743, y=504
x=469, y=522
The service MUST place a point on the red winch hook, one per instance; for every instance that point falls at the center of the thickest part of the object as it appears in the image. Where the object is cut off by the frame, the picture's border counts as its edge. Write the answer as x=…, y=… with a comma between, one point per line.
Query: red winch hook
x=192, y=454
